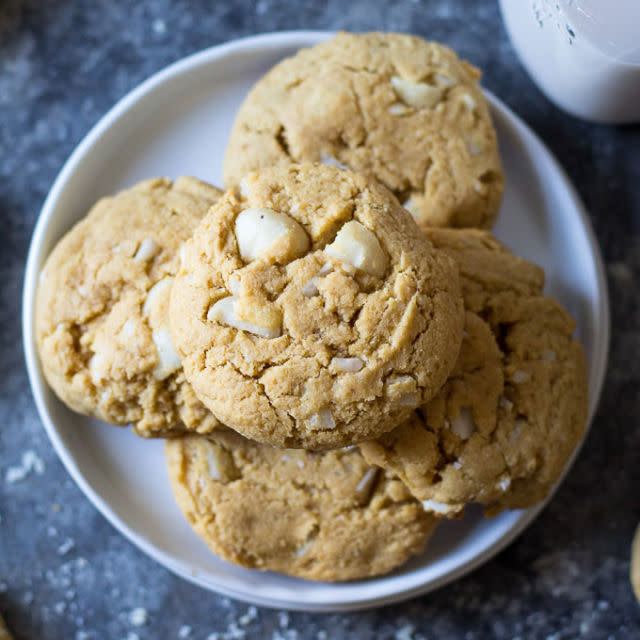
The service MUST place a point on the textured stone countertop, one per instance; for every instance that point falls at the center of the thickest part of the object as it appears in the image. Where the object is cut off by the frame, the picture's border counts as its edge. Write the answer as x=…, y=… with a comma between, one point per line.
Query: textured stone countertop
x=64, y=570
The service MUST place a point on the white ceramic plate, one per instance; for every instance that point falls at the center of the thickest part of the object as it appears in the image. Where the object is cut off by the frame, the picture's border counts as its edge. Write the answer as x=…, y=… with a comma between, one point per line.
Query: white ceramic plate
x=177, y=123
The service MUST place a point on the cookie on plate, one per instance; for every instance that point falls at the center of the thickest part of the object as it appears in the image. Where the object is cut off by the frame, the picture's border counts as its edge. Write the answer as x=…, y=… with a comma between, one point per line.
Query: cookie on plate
x=322, y=516
x=312, y=312
x=503, y=427
x=407, y=111
x=102, y=309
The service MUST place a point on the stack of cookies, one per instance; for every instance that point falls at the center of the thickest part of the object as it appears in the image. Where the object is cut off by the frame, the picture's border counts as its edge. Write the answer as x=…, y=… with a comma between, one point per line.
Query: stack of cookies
x=337, y=353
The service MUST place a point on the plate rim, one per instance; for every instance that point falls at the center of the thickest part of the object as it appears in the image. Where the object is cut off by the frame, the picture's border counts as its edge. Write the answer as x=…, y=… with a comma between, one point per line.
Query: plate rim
x=260, y=42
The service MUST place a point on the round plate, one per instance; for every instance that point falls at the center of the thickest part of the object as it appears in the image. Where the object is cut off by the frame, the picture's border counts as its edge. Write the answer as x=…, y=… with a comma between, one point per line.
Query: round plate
x=177, y=122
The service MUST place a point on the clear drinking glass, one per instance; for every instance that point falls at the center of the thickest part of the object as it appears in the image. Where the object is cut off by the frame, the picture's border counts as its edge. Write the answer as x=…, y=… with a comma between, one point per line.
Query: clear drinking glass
x=584, y=54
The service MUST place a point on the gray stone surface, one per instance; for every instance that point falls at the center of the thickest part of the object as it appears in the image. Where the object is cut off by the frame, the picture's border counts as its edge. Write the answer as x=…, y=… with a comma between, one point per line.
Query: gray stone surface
x=66, y=573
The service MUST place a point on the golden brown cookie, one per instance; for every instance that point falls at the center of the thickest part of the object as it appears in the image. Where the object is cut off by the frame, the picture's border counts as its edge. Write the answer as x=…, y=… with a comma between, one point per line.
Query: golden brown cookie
x=311, y=311
x=504, y=425
x=102, y=309
x=407, y=111
x=322, y=516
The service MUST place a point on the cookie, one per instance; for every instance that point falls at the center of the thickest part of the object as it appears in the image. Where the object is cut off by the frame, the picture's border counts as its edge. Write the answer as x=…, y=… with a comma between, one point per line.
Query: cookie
x=406, y=111
x=502, y=428
x=310, y=310
x=321, y=516
x=102, y=309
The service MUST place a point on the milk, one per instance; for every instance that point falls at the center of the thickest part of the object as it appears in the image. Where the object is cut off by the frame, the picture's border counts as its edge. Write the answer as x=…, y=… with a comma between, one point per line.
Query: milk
x=583, y=54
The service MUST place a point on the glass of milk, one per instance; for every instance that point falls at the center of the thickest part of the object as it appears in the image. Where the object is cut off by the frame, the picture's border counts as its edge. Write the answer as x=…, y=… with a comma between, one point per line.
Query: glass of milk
x=583, y=54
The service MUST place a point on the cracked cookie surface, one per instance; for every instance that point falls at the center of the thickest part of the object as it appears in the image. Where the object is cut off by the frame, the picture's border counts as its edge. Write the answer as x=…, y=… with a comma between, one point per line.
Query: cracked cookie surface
x=299, y=347
x=503, y=427
x=407, y=111
x=102, y=309
x=321, y=516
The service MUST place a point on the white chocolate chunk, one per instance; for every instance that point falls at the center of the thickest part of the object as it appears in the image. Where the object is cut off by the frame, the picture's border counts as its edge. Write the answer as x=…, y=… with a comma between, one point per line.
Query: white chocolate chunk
x=408, y=399
x=311, y=289
x=463, y=425
x=474, y=148
x=244, y=189
x=220, y=463
x=128, y=330
x=468, y=100
x=214, y=471
x=323, y=419
x=504, y=484
x=304, y=548
x=410, y=206
x=399, y=109
x=518, y=427
x=549, y=355
x=232, y=311
x=153, y=295
x=235, y=284
x=260, y=230
x=444, y=81
x=167, y=355
x=440, y=507
x=366, y=484
x=356, y=245
x=349, y=365
x=402, y=390
x=330, y=161
x=416, y=94
x=147, y=249
x=520, y=377
x=97, y=367
x=505, y=403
